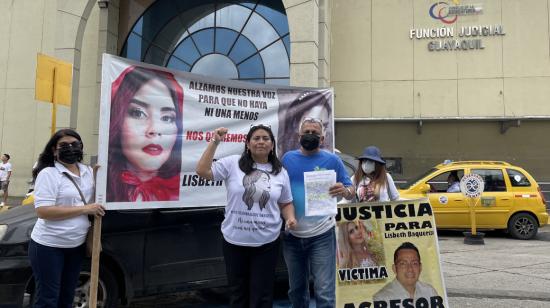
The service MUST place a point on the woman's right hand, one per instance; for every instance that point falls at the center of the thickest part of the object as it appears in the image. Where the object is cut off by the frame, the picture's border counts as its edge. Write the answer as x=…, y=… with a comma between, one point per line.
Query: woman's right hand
x=95, y=209
x=219, y=133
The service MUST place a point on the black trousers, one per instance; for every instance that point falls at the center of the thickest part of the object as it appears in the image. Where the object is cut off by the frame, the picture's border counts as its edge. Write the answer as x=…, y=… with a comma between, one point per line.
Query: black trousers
x=251, y=274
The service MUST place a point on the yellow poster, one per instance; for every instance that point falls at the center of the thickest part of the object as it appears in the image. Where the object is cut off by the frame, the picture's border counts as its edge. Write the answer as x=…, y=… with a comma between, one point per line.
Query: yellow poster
x=53, y=80
x=388, y=256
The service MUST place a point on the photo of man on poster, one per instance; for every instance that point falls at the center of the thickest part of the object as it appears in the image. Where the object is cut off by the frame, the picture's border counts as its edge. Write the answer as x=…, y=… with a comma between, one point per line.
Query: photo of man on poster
x=406, y=285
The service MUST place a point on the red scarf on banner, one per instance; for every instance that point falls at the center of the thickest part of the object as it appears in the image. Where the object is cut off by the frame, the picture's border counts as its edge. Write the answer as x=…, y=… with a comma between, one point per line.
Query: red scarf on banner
x=155, y=189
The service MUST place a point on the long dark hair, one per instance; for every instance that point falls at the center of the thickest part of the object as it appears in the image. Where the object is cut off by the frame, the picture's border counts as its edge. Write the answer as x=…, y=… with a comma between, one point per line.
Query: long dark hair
x=47, y=157
x=246, y=163
x=124, y=88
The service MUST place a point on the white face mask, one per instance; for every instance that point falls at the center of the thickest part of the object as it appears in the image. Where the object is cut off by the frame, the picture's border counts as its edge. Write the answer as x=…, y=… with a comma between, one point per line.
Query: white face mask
x=367, y=166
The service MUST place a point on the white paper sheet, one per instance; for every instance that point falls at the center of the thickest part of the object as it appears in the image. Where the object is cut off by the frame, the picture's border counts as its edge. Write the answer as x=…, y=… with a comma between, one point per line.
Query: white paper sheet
x=318, y=200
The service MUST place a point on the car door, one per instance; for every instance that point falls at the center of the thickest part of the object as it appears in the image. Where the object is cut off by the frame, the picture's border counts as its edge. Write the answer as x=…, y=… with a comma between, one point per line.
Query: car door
x=496, y=200
x=183, y=248
x=525, y=192
x=450, y=208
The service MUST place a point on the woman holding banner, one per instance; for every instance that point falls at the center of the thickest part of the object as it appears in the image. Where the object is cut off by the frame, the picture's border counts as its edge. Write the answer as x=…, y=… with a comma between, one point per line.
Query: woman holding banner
x=371, y=179
x=57, y=248
x=356, y=246
x=258, y=193
x=307, y=104
x=145, y=137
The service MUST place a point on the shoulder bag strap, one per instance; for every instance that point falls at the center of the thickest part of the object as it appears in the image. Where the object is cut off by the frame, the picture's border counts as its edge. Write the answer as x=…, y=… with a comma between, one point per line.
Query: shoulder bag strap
x=77, y=188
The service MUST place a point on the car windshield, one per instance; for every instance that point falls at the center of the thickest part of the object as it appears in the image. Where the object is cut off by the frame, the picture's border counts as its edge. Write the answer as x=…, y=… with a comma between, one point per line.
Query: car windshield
x=413, y=181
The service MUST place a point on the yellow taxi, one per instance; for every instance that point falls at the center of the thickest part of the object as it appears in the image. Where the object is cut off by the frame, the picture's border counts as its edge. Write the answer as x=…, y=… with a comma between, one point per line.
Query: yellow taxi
x=511, y=200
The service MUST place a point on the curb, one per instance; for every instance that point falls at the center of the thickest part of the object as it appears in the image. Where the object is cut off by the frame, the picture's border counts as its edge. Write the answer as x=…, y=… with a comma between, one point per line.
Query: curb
x=502, y=294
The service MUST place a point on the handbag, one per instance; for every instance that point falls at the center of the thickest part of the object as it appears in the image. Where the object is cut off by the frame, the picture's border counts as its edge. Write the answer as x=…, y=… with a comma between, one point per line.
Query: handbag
x=90, y=235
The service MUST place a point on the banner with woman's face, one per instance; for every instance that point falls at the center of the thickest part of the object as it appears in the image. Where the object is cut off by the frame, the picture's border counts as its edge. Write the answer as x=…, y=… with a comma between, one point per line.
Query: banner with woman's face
x=155, y=123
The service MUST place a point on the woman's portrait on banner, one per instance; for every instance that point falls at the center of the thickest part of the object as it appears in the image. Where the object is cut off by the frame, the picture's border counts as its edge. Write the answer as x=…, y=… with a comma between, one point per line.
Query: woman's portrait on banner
x=294, y=108
x=145, y=136
x=359, y=245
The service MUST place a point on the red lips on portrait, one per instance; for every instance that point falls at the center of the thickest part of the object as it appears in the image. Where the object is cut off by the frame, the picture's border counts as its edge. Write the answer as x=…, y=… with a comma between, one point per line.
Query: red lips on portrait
x=152, y=149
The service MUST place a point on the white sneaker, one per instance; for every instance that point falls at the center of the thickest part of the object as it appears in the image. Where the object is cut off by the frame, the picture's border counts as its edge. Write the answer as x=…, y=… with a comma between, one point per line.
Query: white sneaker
x=2, y=204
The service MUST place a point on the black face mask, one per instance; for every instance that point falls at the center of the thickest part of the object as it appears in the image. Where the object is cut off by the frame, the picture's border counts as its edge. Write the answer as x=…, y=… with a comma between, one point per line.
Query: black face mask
x=70, y=154
x=310, y=142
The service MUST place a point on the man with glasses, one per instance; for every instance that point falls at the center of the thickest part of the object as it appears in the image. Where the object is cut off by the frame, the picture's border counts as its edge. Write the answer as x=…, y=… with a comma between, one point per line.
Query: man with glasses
x=406, y=286
x=311, y=246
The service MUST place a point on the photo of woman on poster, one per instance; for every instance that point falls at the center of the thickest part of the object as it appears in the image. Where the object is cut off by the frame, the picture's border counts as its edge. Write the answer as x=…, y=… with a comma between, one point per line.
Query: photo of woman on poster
x=145, y=136
x=256, y=188
x=307, y=104
x=358, y=246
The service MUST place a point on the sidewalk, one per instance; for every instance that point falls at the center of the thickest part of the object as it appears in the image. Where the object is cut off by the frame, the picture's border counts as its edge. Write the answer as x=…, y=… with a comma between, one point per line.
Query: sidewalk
x=502, y=273
x=12, y=201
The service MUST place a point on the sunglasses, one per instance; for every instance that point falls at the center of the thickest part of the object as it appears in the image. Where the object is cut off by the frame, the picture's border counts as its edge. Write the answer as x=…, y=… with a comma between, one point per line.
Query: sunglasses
x=260, y=126
x=75, y=144
x=309, y=119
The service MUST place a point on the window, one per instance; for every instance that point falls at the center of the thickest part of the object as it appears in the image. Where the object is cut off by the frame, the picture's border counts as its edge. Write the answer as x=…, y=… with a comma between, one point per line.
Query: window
x=441, y=183
x=493, y=178
x=517, y=178
x=241, y=40
x=414, y=180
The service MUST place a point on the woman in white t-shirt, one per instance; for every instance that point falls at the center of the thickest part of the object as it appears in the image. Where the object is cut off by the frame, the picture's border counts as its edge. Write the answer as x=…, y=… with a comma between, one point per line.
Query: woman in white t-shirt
x=57, y=248
x=371, y=179
x=258, y=193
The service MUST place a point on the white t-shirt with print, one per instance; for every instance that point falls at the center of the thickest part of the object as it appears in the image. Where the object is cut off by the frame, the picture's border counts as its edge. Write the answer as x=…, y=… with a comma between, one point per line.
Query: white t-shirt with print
x=4, y=170
x=252, y=214
x=52, y=188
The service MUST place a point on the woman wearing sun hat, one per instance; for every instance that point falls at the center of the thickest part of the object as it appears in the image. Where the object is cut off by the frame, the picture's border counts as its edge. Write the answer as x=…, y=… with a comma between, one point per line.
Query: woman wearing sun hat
x=371, y=179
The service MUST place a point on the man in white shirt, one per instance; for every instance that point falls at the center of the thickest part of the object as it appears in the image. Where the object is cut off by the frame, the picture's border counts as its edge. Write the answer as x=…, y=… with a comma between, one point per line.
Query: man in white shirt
x=453, y=182
x=5, y=174
x=406, y=286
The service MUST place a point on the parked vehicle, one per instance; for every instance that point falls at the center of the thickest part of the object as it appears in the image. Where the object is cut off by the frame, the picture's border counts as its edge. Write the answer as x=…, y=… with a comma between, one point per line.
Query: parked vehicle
x=145, y=252
x=512, y=200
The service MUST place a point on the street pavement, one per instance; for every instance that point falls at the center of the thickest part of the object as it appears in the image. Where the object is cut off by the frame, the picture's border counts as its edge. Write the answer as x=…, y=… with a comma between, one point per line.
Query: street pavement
x=503, y=273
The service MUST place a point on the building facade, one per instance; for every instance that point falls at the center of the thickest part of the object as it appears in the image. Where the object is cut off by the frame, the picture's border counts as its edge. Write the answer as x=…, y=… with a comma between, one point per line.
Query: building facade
x=424, y=80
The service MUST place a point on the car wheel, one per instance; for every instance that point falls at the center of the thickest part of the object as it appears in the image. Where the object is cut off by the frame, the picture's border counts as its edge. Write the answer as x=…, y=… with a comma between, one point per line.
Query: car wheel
x=107, y=289
x=523, y=226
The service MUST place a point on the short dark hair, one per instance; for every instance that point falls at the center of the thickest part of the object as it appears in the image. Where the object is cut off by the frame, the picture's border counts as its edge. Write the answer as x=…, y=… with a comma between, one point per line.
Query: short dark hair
x=405, y=245
x=454, y=174
x=7, y=155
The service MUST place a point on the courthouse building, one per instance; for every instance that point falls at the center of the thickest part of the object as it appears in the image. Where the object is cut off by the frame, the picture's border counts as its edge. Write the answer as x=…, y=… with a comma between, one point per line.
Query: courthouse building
x=424, y=80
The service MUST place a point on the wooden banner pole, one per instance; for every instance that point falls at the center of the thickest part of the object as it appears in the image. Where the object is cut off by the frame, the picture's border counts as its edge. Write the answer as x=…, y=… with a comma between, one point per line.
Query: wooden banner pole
x=94, y=272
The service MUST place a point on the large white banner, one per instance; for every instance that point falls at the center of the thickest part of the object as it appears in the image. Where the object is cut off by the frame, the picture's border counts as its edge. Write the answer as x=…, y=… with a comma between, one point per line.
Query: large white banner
x=155, y=123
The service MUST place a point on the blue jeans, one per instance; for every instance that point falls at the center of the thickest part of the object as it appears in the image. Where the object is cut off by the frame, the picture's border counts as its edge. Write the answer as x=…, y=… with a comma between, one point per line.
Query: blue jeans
x=318, y=256
x=56, y=272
